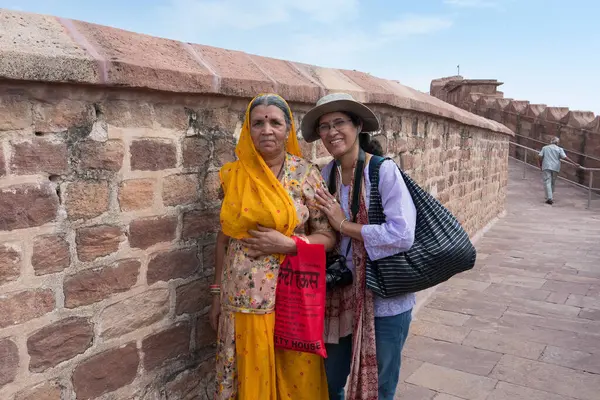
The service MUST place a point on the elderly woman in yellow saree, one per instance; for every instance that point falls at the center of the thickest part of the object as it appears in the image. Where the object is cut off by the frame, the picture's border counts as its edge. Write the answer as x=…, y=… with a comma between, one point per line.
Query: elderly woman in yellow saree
x=269, y=197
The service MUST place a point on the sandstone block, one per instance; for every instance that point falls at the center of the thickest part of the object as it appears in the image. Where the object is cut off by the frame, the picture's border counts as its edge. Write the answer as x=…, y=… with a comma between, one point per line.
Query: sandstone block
x=106, y=372
x=152, y=155
x=189, y=383
x=2, y=164
x=39, y=156
x=61, y=114
x=166, y=345
x=173, y=265
x=16, y=113
x=50, y=254
x=45, y=391
x=224, y=151
x=86, y=199
x=59, y=342
x=133, y=313
x=10, y=262
x=196, y=152
x=16, y=308
x=200, y=223
x=211, y=189
x=144, y=233
x=171, y=116
x=128, y=114
x=9, y=361
x=208, y=257
x=106, y=156
x=89, y=287
x=27, y=206
x=192, y=297
x=205, y=334
x=136, y=194
x=180, y=189
x=97, y=241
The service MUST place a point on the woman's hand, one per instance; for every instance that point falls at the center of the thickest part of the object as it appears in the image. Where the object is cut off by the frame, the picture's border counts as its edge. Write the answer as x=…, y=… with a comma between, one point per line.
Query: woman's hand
x=215, y=312
x=265, y=241
x=330, y=207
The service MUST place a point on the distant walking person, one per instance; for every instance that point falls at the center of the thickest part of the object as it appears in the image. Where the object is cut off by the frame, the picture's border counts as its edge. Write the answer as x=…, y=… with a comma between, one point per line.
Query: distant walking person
x=549, y=161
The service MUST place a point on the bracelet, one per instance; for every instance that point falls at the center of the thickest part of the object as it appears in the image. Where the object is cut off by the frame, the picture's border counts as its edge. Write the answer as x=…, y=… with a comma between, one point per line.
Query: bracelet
x=342, y=223
x=215, y=289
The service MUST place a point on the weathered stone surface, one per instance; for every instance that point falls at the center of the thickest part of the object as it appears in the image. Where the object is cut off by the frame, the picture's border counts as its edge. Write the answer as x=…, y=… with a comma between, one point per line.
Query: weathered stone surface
x=505, y=345
x=224, y=151
x=208, y=258
x=546, y=377
x=172, y=265
x=10, y=262
x=406, y=391
x=454, y=334
x=59, y=342
x=144, y=233
x=136, y=194
x=106, y=156
x=91, y=286
x=195, y=152
x=168, y=344
x=180, y=189
x=452, y=355
x=97, y=241
x=197, y=224
x=507, y=391
x=191, y=384
x=211, y=188
x=133, y=313
x=106, y=372
x=86, y=199
x=50, y=254
x=192, y=297
x=205, y=334
x=2, y=164
x=39, y=156
x=16, y=308
x=152, y=155
x=45, y=391
x=27, y=206
x=58, y=115
x=9, y=361
x=461, y=384
x=442, y=317
x=579, y=360
x=16, y=113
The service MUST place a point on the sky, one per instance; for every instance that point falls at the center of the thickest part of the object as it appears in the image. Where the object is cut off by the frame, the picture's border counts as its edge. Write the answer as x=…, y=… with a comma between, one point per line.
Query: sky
x=545, y=51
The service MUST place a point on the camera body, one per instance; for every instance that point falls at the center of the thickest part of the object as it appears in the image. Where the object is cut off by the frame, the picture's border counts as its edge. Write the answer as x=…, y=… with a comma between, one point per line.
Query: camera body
x=337, y=273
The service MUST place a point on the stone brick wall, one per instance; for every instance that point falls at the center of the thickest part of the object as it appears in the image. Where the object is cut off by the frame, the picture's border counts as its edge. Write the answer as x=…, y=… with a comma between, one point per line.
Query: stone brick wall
x=534, y=124
x=108, y=197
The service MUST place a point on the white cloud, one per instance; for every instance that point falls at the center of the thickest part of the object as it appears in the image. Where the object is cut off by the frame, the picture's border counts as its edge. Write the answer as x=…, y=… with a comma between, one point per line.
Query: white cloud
x=410, y=25
x=472, y=3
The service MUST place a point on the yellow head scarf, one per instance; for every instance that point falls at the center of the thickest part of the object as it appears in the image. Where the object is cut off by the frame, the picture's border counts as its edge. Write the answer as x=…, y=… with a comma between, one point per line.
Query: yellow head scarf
x=253, y=194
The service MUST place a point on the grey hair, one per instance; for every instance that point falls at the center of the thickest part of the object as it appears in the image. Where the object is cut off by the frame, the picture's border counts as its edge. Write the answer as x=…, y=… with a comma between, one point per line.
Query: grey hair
x=274, y=100
x=555, y=140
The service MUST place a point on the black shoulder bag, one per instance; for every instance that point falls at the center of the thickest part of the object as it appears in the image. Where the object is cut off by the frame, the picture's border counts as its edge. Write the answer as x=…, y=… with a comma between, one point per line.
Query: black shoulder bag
x=337, y=273
x=441, y=247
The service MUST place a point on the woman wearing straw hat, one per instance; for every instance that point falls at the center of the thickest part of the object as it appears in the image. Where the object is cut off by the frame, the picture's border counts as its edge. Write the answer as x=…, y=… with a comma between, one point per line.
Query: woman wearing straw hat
x=364, y=333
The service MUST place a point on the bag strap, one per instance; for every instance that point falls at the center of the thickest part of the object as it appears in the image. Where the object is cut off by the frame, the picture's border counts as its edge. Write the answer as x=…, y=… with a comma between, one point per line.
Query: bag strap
x=358, y=174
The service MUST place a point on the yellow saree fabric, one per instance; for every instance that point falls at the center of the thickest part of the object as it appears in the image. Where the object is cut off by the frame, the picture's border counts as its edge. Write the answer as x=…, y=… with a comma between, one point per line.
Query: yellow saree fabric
x=253, y=194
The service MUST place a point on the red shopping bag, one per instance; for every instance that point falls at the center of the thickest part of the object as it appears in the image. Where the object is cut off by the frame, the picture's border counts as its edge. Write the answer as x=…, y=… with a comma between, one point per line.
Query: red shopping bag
x=300, y=300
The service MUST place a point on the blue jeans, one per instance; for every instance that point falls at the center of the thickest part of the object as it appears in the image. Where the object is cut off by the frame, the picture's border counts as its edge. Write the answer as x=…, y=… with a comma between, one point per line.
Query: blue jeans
x=390, y=335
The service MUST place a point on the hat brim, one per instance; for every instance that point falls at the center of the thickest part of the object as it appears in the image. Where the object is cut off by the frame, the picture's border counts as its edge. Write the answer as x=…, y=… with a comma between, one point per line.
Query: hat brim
x=309, y=122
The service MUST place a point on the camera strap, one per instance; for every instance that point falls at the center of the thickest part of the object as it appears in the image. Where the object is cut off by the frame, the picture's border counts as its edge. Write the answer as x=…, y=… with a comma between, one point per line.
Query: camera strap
x=358, y=175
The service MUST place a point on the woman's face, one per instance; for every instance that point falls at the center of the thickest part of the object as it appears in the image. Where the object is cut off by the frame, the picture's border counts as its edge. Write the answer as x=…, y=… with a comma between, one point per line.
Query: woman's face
x=337, y=132
x=268, y=130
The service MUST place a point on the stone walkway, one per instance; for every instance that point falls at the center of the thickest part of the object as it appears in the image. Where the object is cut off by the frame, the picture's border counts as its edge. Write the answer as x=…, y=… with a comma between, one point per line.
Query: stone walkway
x=525, y=323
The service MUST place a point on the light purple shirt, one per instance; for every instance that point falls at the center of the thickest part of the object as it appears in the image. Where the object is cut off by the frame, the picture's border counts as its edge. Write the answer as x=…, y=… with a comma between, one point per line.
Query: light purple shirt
x=396, y=235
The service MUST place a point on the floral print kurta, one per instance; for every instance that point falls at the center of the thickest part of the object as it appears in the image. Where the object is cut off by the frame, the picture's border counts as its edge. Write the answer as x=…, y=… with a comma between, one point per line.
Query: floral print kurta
x=248, y=284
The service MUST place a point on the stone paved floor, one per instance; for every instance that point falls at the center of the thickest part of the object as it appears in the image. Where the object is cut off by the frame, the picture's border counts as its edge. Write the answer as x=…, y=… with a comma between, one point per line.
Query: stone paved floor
x=525, y=323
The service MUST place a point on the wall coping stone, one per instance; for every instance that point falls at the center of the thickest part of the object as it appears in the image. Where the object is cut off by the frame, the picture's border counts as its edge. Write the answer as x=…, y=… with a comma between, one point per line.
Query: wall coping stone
x=44, y=48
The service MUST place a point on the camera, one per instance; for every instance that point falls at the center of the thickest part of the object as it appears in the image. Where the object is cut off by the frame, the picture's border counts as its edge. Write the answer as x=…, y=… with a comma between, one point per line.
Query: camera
x=337, y=273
